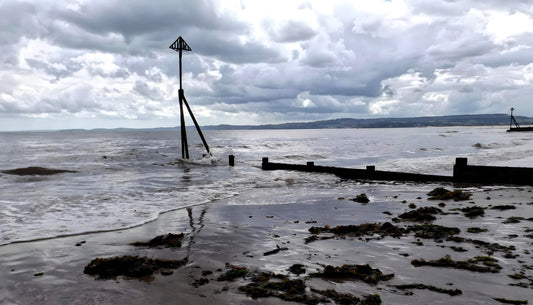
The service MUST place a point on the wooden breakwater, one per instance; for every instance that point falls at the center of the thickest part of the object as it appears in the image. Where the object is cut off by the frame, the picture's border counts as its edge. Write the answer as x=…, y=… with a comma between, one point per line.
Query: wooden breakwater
x=462, y=173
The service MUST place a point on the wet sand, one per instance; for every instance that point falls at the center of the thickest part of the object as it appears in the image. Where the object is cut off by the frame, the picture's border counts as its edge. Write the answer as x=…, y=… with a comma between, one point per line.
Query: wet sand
x=240, y=230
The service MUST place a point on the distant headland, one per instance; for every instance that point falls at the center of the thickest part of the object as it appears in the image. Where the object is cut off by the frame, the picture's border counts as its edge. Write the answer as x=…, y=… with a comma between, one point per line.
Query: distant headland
x=428, y=121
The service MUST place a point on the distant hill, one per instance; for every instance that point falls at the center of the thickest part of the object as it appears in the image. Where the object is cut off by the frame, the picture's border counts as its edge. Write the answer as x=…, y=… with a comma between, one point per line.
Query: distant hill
x=448, y=120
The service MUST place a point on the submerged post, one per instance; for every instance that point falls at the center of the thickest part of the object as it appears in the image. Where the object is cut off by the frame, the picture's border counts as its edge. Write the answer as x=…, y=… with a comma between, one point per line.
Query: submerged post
x=179, y=46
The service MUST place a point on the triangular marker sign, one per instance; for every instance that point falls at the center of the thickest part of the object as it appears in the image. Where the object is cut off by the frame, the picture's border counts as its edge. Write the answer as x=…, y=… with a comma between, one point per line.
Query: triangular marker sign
x=180, y=44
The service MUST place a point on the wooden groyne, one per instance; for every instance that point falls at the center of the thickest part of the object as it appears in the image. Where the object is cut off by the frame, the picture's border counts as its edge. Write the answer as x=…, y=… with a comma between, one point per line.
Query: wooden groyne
x=462, y=173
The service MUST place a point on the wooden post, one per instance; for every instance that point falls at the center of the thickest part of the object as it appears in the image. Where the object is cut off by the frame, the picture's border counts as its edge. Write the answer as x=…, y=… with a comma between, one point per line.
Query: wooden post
x=231, y=160
x=264, y=164
x=459, y=168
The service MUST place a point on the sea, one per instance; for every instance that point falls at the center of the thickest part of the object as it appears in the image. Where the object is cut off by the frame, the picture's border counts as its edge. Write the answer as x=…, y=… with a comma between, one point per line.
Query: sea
x=127, y=178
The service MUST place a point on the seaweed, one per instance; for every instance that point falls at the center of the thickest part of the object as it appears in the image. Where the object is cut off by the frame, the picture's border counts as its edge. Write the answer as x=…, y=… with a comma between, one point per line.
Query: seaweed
x=441, y=193
x=503, y=207
x=473, y=212
x=476, y=264
x=296, y=291
x=297, y=269
x=427, y=231
x=162, y=241
x=489, y=247
x=385, y=229
x=431, y=231
x=233, y=273
x=287, y=290
x=476, y=230
x=278, y=248
x=513, y=219
x=348, y=299
x=131, y=266
x=452, y=292
x=507, y=301
x=364, y=273
x=421, y=214
x=361, y=198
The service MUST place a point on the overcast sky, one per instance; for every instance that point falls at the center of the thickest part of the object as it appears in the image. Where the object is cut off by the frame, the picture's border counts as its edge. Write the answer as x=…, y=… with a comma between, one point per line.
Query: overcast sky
x=107, y=63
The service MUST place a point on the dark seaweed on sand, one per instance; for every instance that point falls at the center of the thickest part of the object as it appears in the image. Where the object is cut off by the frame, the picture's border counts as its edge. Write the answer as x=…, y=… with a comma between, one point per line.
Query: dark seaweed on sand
x=427, y=231
x=363, y=273
x=472, y=212
x=131, y=266
x=168, y=240
x=421, y=214
x=267, y=284
x=441, y=193
x=452, y=292
x=233, y=273
x=476, y=264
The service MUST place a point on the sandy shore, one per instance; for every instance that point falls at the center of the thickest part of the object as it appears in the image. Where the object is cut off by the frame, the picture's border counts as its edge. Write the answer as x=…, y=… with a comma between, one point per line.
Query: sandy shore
x=240, y=230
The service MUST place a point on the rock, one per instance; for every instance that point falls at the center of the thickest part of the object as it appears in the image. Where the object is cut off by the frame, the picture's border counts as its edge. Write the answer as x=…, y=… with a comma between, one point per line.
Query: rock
x=34, y=170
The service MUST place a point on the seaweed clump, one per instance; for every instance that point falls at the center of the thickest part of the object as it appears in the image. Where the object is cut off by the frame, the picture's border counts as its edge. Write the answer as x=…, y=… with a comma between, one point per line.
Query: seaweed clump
x=297, y=269
x=507, y=301
x=162, y=241
x=233, y=273
x=267, y=284
x=441, y=193
x=287, y=290
x=348, y=299
x=503, y=207
x=364, y=273
x=427, y=231
x=130, y=266
x=385, y=229
x=452, y=292
x=476, y=230
x=431, y=231
x=421, y=214
x=472, y=212
x=361, y=198
x=476, y=264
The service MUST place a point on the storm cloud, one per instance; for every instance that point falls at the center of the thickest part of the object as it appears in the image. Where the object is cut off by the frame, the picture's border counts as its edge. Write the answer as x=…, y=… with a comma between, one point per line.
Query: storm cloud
x=101, y=63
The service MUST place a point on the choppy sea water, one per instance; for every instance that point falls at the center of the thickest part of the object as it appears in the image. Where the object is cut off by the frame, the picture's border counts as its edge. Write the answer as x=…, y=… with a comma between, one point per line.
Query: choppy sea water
x=127, y=178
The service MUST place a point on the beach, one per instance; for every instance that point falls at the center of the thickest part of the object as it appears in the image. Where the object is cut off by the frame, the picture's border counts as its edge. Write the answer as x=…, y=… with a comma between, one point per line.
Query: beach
x=269, y=231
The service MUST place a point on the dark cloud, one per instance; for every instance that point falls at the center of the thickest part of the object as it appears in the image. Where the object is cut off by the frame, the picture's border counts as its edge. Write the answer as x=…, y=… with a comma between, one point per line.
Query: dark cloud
x=293, y=31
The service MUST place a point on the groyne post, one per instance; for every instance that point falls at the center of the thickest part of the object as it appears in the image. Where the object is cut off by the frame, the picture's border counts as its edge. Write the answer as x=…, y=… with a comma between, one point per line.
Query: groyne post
x=264, y=164
x=459, y=168
x=231, y=160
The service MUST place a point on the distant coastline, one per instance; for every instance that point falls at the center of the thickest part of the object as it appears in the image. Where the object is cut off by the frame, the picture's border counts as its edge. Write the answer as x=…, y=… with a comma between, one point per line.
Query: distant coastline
x=426, y=121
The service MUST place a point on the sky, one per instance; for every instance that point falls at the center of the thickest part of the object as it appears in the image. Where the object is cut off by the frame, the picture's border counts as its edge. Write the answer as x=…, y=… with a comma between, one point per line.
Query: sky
x=107, y=63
